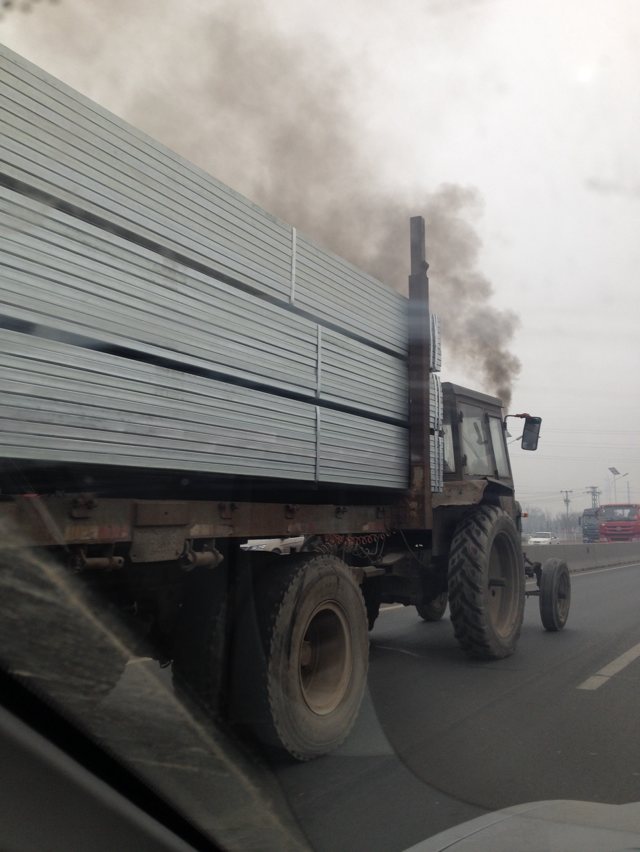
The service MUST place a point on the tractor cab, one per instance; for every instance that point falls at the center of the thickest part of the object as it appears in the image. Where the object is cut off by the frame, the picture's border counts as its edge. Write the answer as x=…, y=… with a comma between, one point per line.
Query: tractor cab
x=475, y=445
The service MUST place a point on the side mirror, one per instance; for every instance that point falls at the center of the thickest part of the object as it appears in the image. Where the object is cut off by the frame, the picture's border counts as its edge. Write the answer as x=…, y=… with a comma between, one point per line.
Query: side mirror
x=531, y=433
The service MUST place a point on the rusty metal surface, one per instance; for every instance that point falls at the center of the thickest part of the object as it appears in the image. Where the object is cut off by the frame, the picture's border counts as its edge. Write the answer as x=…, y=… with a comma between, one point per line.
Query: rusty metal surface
x=32, y=520
x=419, y=504
x=162, y=513
x=236, y=520
x=158, y=544
x=462, y=493
x=47, y=521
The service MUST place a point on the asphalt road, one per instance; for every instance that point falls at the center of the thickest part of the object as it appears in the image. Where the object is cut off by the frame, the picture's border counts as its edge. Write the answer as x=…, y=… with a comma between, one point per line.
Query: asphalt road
x=442, y=739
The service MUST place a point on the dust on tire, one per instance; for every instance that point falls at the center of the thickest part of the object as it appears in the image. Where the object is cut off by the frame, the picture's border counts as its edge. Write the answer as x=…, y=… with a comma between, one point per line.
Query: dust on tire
x=314, y=633
x=486, y=584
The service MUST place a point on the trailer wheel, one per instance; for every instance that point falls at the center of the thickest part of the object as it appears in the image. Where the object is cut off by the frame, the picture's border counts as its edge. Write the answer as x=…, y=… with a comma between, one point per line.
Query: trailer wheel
x=486, y=584
x=434, y=609
x=200, y=640
x=555, y=594
x=314, y=635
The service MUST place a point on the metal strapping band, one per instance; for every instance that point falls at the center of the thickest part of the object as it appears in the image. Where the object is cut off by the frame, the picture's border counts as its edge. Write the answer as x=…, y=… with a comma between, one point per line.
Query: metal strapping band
x=292, y=293
x=319, y=364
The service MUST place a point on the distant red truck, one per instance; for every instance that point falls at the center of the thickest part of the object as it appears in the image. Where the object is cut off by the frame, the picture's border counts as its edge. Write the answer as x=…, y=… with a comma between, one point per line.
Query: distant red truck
x=619, y=522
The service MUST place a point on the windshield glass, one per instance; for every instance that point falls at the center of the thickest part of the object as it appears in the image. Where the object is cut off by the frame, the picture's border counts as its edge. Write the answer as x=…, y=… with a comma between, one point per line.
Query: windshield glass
x=252, y=254
x=618, y=513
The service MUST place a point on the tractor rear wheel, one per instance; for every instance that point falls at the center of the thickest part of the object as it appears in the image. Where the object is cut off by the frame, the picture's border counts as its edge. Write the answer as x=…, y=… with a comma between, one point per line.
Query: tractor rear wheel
x=486, y=584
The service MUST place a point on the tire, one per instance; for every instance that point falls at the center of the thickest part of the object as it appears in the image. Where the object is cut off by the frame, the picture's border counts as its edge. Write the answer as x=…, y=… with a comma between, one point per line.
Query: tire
x=486, y=584
x=555, y=594
x=314, y=635
x=198, y=666
x=434, y=609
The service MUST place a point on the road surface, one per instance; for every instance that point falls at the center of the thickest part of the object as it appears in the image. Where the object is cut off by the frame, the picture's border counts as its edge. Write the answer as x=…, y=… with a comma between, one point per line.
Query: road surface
x=442, y=739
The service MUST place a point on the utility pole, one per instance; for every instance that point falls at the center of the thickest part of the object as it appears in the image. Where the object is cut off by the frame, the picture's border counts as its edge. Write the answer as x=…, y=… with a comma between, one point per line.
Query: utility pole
x=567, y=501
x=595, y=495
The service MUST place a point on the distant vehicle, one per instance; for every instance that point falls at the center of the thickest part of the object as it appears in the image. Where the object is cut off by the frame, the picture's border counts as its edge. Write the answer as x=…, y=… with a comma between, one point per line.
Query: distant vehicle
x=277, y=546
x=543, y=538
x=589, y=523
x=619, y=522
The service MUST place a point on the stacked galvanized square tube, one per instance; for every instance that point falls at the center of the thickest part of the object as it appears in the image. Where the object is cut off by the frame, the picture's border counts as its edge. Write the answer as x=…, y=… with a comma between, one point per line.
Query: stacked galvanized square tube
x=153, y=317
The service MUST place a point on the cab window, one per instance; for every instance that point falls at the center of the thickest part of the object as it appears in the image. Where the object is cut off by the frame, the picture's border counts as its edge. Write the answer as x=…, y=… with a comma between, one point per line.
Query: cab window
x=499, y=449
x=476, y=442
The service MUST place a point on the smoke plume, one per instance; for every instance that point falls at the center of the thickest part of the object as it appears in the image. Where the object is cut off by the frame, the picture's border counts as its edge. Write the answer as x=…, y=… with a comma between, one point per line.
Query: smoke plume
x=477, y=332
x=273, y=115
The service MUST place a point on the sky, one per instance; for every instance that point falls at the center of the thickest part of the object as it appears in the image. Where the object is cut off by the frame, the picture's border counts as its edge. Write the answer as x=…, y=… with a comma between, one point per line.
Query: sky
x=513, y=127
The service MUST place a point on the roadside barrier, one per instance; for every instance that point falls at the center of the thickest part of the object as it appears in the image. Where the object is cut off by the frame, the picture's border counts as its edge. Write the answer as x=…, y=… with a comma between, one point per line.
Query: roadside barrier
x=582, y=557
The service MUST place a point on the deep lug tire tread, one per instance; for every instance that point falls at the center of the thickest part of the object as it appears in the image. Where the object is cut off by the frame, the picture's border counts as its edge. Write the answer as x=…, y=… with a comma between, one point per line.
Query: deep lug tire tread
x=468, y=578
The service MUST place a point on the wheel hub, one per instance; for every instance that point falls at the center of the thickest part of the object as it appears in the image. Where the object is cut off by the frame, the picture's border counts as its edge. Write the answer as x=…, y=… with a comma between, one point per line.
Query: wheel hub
x=501, y=586
x=325, y=658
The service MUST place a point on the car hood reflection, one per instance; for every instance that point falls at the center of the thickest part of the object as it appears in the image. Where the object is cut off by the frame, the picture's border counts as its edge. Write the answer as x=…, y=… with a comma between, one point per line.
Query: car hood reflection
x=561, y=826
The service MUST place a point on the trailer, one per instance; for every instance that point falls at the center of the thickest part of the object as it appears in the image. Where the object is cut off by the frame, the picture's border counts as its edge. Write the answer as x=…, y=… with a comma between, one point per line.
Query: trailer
x=184, y=374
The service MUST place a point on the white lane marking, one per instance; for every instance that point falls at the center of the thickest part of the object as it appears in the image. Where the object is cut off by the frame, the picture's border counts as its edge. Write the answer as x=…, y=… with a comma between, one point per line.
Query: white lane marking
x=593, y=682
x=389, y=608
x=613, y=668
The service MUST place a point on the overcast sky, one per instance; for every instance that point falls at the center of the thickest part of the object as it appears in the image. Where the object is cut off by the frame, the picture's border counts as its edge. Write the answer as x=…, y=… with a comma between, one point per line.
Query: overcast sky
x=535, y=106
